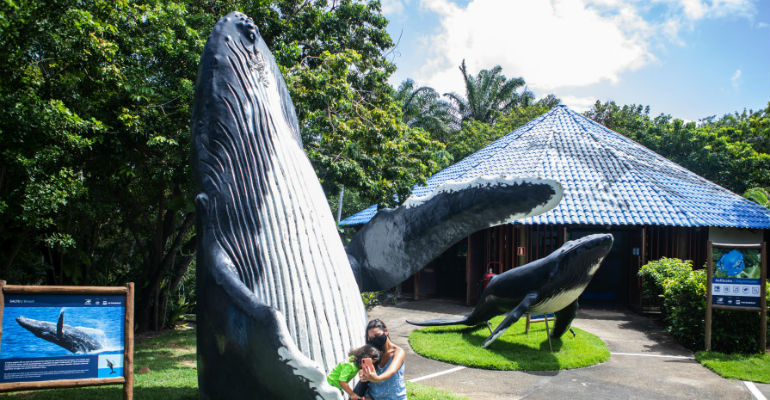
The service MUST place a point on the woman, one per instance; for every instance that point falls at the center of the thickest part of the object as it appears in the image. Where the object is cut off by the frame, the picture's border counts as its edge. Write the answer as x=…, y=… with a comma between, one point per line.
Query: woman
x=387, y=382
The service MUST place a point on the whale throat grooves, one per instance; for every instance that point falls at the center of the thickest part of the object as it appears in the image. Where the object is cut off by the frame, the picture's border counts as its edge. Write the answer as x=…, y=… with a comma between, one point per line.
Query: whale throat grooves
x=265, y=205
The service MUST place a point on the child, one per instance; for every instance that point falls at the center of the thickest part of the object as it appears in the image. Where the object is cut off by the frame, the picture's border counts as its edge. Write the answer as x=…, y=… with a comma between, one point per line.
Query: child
x=345, y=371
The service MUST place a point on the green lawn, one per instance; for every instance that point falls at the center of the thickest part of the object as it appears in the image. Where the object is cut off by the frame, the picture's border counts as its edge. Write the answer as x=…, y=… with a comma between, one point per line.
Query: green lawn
x=514, y=350
x=746, y=367
x=170, y=358
x=417, y=391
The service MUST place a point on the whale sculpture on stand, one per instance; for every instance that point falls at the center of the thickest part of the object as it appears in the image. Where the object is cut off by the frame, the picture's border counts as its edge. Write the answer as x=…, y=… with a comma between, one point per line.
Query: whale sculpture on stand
x=278, y=300
x=548, y=285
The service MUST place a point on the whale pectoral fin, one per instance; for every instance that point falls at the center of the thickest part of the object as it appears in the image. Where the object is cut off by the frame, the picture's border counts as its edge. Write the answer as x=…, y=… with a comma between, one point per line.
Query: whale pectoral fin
x=399, y=242
x=245, y=349
x=564, y=319
x=511, y=317
x=60, y=325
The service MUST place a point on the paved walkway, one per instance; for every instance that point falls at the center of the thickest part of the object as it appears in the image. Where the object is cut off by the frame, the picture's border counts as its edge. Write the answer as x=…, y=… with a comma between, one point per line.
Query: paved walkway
x=645, y=364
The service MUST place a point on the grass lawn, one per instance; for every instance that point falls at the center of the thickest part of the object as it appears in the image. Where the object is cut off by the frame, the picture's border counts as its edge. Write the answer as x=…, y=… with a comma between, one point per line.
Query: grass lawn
x=170, y=358
x=746, y=367
x=514, y=350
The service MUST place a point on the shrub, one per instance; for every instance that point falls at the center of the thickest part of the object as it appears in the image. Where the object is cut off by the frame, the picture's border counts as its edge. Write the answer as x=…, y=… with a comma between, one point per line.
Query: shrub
x=655, y=273
x=370, y=299
x=684, y=308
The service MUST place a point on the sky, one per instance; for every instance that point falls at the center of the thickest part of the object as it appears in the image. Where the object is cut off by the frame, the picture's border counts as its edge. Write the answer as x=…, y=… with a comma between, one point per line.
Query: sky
x=688, y=58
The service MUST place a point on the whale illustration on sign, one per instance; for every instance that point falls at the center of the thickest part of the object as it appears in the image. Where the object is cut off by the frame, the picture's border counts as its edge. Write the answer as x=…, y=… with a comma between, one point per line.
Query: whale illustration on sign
x=278, y=295
x=71, y=338
x=548, y=285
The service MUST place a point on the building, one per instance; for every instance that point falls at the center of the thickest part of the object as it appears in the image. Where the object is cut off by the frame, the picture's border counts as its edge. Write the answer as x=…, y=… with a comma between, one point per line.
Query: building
x=652, y=206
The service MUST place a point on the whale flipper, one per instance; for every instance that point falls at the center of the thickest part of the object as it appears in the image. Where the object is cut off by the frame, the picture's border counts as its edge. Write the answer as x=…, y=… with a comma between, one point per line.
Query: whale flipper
x=440, y=321
x=511, y=317
x=244, y=346
x=60, y=325
x=398, y=242
x=563, y=319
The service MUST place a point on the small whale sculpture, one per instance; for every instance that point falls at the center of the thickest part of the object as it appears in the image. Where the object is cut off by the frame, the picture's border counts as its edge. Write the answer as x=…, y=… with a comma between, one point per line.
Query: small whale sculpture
x=73, y=339
x=548, y=285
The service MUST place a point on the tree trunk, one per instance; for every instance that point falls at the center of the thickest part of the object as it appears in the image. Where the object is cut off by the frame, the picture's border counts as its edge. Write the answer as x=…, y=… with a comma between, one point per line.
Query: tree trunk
x=158, y=266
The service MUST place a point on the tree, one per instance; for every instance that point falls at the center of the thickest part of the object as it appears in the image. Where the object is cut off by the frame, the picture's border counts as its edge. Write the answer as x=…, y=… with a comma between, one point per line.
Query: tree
x=759, y=195
x=95, y=184
x=423, y=108
x=363, y=145
x=487, y=94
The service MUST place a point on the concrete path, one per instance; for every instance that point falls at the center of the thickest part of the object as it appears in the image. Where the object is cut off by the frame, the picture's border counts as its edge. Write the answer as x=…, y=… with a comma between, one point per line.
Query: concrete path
x=646, y=363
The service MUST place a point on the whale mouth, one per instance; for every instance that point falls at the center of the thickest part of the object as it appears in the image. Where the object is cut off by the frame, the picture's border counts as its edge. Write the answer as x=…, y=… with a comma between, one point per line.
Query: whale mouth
x=26, y=322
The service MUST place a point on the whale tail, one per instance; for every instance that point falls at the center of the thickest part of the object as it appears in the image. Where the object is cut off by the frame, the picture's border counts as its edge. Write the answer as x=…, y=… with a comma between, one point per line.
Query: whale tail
x=442, y=322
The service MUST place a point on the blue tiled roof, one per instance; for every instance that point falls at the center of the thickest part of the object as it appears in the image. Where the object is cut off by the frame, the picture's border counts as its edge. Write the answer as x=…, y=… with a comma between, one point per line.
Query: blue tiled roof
x=608, y=179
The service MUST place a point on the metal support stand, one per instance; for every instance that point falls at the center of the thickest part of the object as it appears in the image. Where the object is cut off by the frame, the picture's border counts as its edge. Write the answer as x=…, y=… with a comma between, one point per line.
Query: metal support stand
x=548, y=334
x=489, y=326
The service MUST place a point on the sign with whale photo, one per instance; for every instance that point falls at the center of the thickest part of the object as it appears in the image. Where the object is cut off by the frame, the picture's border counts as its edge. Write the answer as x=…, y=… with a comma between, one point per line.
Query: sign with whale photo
x=65, y=336
x=736, y=276
x=48, y=337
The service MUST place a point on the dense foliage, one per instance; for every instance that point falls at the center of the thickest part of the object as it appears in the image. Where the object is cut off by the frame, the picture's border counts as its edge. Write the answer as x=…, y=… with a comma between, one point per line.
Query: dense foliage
x=684, y=308
x=95, y=99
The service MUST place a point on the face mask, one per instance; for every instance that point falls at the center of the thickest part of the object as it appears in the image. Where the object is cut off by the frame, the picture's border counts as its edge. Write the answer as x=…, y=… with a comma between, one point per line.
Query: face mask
x=378, y=342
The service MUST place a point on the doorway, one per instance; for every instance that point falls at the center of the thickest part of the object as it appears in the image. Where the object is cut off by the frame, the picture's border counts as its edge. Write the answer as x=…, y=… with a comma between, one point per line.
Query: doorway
x=609, y=287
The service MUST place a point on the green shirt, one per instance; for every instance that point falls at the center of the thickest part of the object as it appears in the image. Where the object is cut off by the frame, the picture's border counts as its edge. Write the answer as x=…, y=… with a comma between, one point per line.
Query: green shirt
x=344, y=371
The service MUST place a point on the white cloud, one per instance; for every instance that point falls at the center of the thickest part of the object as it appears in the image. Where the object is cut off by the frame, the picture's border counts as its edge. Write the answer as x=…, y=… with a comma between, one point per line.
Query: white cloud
x=556, y=44
x=579, y=104
x=735, y=80
x=551, y=44
x=392, y=7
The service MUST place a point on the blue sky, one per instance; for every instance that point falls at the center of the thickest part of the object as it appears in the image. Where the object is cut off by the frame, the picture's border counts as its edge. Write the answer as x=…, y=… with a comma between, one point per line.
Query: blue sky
x=687, y=58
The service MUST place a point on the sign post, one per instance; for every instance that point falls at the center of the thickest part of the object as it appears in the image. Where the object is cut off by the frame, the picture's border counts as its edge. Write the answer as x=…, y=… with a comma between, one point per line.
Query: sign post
x=66, y=336
x=736, y=281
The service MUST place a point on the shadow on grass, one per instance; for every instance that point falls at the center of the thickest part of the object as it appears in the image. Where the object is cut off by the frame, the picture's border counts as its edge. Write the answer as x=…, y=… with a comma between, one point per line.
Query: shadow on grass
x=111, y=392
x=161, y=360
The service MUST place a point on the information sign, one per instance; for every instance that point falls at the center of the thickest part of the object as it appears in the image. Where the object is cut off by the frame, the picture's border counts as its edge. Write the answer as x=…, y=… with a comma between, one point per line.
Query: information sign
x=59, y=336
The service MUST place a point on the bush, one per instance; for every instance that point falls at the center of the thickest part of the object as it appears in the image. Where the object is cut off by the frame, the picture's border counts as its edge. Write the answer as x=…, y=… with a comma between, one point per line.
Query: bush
x=684, y=308
x=655, y=273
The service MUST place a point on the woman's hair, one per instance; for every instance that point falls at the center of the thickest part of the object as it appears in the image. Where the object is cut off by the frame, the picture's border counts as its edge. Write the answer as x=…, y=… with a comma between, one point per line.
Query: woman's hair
x=365, y=351
x=375, y=323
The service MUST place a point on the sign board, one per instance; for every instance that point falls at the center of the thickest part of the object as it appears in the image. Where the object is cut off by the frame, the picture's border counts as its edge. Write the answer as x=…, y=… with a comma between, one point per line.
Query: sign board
x=736, y=275
x=736, y=281
x=58, y=336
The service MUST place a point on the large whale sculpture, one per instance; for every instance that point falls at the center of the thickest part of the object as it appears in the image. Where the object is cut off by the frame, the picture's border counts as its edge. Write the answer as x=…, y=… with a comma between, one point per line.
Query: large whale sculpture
x=548, y=285
x=278, y=300
x=71, y=338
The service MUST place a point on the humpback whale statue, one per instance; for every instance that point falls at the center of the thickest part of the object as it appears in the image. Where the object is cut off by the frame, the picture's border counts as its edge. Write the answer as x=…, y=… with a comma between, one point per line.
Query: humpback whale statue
x=548, y=285
x=71, y=338
x=278, y=296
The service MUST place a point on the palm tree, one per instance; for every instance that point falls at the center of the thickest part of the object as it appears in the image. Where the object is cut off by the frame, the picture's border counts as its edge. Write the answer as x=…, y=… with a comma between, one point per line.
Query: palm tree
x=423, y=108
x=759, y=195
x=488, y=94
